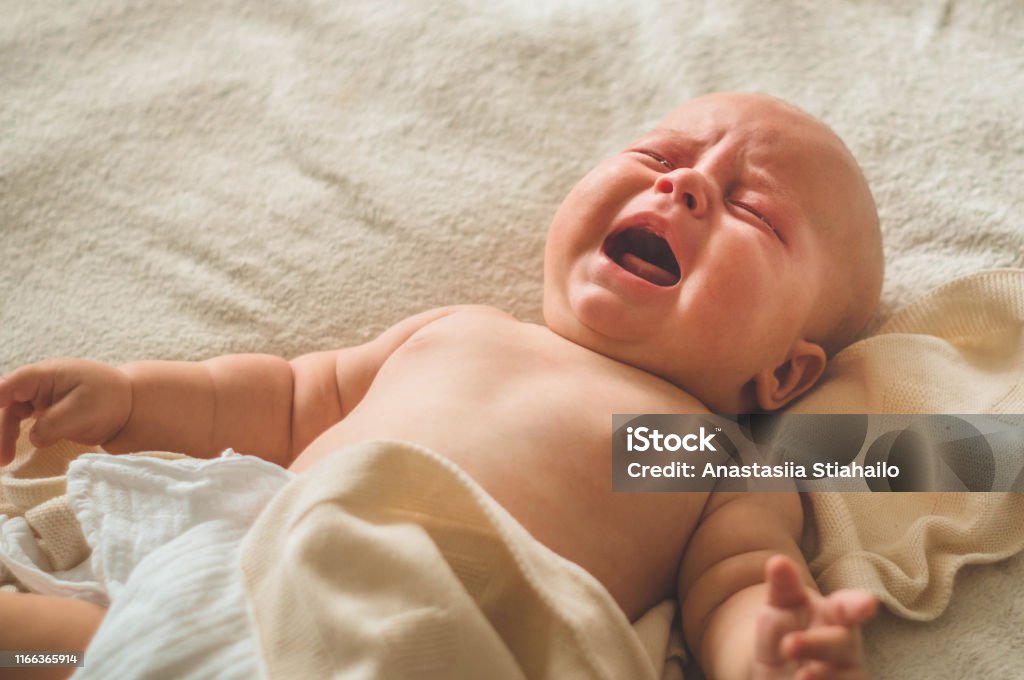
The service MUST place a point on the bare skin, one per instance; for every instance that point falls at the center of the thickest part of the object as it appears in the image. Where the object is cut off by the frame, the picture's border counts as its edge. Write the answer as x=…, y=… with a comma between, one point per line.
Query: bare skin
x=46, y=624
x=526, y=409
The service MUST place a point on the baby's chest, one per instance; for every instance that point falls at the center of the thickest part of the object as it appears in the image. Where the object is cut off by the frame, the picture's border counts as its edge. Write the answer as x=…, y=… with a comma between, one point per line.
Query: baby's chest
x=499, y=356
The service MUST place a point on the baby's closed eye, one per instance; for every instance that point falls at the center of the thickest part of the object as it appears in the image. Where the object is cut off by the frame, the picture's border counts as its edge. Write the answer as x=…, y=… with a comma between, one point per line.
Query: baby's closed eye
x=657, y=158
x=754, y=212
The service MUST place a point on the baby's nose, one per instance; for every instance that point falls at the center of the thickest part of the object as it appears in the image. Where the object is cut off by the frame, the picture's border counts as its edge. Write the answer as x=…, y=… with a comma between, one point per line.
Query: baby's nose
x=686, y=184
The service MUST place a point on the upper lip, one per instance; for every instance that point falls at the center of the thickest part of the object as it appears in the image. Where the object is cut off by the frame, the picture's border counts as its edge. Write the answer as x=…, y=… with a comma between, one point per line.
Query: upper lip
x=658, y=225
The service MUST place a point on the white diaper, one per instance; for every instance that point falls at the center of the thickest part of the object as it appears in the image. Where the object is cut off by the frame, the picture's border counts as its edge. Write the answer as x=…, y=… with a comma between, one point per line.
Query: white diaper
x=164, y=536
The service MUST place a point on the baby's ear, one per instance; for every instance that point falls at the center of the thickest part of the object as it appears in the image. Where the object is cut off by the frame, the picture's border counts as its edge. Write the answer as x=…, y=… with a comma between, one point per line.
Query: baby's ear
x=777, y=387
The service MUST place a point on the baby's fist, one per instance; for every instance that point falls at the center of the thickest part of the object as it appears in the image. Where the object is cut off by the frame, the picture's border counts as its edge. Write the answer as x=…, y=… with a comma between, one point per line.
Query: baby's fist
x=84, y=401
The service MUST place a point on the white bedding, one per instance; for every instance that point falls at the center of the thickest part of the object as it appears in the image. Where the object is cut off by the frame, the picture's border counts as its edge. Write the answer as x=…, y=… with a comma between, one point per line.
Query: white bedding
x=180, y=180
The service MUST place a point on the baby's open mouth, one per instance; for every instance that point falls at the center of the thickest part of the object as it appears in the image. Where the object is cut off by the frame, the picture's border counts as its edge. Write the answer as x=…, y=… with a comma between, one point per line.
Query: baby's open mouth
x=643, y=253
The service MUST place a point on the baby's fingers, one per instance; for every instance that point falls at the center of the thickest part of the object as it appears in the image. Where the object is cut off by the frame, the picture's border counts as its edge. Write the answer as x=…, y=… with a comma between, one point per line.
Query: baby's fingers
x=10, y=428
x=22, y=392
x=835, y=645
x=850, y=607
x=28, y=384
x=70, y=418
x=785, y=586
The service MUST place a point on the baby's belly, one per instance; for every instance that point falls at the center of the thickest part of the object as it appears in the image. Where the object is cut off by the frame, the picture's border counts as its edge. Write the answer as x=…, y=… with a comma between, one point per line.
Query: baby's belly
x=557, y=484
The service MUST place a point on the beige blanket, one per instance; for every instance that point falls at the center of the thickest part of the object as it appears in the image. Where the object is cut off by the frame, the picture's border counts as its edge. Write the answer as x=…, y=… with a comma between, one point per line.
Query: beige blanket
x=387, y=561
x=960, y=349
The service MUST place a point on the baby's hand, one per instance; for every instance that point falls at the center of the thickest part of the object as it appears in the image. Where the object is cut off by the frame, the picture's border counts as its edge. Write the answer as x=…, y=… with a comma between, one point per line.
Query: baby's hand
x=802, y=635
x=74, y=399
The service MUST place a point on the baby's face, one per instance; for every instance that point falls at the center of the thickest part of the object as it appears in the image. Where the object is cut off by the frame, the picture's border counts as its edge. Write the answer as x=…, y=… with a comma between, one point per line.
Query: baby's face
x=704, y=251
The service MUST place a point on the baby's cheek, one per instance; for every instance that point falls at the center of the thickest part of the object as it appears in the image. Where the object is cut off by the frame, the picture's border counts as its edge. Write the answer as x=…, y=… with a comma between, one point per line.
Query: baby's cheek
x=741, y=288
x=740, y=307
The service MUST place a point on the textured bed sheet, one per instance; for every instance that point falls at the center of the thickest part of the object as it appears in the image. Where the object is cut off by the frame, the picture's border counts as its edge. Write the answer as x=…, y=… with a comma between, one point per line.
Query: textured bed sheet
x=184, y=179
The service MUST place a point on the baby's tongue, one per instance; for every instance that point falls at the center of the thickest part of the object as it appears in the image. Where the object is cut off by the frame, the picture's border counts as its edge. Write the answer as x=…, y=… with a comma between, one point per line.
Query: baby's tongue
x=647, y=270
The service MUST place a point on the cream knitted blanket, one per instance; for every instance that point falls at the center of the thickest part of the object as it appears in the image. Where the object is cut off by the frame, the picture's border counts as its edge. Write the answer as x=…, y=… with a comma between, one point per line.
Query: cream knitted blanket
x=387, y=561
x=960, y=349
x=34, y=487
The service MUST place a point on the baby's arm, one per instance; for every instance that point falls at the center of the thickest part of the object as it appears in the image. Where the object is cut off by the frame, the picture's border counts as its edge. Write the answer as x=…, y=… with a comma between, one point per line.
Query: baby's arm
x=198, y=408
x=750, y=607
x=257, y=404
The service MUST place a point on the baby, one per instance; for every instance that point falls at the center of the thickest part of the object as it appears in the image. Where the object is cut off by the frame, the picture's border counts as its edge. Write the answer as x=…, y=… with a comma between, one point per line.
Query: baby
x=715, y=263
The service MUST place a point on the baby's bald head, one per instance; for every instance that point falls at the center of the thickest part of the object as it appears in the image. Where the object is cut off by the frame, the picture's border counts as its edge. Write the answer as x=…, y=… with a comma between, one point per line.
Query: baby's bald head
x=853, y=239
